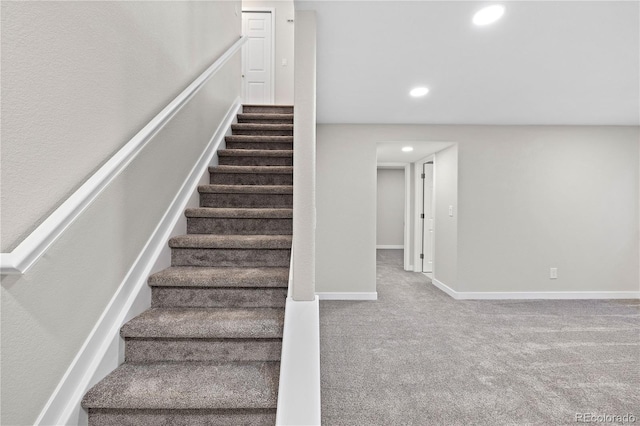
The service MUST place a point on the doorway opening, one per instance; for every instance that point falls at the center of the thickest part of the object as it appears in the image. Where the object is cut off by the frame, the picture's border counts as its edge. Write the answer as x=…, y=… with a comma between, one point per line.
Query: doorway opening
x=430, y=200
x=390, y=207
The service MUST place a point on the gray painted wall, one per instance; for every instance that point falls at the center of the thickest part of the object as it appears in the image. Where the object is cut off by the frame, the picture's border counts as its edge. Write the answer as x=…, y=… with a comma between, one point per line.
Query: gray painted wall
x=529, y=198
x=445, y=245
x=390, y=207
x=79, y=79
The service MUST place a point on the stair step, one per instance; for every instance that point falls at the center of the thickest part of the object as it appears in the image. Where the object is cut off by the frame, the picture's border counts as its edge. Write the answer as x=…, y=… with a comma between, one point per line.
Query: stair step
x=251, y=175
x=187, y=386
x=255, y=153
x=199, y=350
x=117, y=417
x=259, y=117
x=221, y=221
x=206, y=323
x=220, y=277
x=273, y=109
x=255, y=157
x=243, y=196
x=230, y=250
x=207, y=297
x=165, y=334
x=258, y=138
x=260, y=145
x=262, y=129
x=207, y=241
x=242, y=189
x=212, y=212
x=288, y=170
x=259, y=142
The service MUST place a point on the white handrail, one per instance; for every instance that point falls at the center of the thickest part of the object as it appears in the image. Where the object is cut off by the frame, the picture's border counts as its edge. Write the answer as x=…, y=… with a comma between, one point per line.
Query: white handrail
x=36, y=244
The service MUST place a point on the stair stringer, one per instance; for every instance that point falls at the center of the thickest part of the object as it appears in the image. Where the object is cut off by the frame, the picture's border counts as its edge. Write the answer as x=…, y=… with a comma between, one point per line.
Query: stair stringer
x=103, y=350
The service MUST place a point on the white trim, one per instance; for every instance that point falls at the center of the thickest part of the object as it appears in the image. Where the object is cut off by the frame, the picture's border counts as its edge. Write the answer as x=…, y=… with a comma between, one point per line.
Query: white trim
x=389, y=247
x=87, y=367
x=533, y=295
x=344, y=295
x=299, y=387
x=37, y=243
x=442, y=286
x=418, y=206
x=272, y=11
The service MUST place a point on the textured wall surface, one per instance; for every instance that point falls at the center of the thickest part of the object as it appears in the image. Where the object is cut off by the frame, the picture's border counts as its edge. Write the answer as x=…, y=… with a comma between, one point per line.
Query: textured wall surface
x=79, y=79
x=445, y=244
x=304, y=174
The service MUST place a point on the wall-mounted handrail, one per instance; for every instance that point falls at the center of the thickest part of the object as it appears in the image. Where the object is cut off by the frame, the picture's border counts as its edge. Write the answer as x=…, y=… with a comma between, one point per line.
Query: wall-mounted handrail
x=20, y=259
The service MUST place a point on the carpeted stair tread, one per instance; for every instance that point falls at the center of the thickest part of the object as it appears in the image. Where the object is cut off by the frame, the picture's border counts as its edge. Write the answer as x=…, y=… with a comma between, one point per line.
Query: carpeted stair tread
x=261, y=126
x=249, y=116
x=188, y=385
x=206, y=323
x=268, y=109
x=251, y=169
x=238, y=213
x=194, y=276
x=258, y=138
x=246, y=189
x=190, y=417
x=255, y=153
x=210, y=241
x=202, y=350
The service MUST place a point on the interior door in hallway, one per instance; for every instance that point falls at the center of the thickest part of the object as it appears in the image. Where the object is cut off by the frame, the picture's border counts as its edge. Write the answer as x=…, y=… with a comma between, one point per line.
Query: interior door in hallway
x=257, y=58
x=428, y=220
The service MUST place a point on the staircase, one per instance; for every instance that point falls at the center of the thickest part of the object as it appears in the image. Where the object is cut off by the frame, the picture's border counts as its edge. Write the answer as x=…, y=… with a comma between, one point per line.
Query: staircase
x=207, y=352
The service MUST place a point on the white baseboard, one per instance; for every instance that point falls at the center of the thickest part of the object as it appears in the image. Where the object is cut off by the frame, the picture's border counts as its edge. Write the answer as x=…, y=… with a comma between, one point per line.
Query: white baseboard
x=534, y=295
x=299, y=389
x=339, y=295
x=102, y=351
x=390, y=247
x=442, y=286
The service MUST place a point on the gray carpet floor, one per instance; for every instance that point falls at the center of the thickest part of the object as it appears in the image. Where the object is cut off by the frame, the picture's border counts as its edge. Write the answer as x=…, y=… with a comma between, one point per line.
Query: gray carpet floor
x=418, y=357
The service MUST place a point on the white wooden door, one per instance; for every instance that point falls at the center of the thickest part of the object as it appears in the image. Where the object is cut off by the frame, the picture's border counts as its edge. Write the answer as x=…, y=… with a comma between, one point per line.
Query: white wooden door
x=257, y=58
x=427, y=229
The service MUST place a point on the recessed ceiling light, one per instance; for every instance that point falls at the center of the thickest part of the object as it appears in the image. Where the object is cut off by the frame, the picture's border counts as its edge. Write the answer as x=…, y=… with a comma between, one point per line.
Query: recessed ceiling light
x=407, y=148
x=488, y=15
x=419, y=91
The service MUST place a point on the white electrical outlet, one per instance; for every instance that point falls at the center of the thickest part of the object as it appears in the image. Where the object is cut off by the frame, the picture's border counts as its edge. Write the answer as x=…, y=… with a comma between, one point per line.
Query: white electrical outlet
x=553, y=273
x=451, y=211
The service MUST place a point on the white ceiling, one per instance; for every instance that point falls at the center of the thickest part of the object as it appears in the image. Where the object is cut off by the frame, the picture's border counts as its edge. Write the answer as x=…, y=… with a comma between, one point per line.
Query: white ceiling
x=544, y=62
x=391, y=152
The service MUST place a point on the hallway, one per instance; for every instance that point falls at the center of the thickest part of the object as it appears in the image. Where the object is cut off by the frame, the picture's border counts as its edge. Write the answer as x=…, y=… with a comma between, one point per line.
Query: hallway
x=418, y=357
